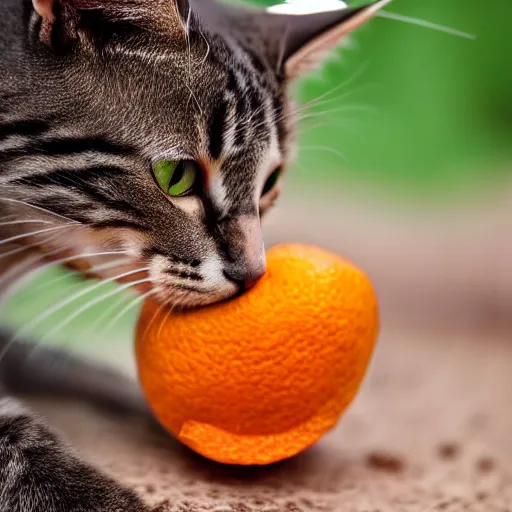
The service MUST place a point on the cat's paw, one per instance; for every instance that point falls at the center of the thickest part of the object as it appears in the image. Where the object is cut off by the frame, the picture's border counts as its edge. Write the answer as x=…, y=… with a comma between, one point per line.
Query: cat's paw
x=40, y=473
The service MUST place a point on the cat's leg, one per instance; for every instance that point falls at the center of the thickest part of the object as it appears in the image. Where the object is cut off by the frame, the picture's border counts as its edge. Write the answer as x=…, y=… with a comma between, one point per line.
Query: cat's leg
x=39, y=473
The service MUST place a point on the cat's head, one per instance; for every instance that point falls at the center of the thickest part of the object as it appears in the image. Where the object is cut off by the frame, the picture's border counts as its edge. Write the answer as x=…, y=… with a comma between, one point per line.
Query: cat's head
x=167, y=128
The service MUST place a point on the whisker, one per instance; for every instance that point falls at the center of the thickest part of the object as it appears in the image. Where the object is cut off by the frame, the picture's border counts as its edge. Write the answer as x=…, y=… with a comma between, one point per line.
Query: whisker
x=30, y=221
x=189, y=50
x=134, y=302
x=73, y=258
x=345, y=108
x=425, y=24
x=350, y=80
x=108, y=266
x=34, y=233
x=101, y=318
x=68, y=275
x=91, y=304
x=328, y=149
x=157, y=312
x=208, y=49
x=62, y=304
x=7, y=292
x=5, y=296
x=27, y=247
x=49, y=212
x=298, y=112
x=340, y=126
x=52, y=282
x=164, y=320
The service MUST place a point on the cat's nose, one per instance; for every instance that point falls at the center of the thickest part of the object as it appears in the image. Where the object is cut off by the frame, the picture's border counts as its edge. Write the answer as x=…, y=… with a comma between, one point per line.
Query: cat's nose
x=245, y=277
x=245, y=255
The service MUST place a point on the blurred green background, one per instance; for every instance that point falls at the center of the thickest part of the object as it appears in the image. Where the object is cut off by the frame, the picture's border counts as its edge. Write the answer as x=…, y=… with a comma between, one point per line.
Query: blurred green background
x=443, y=105
x=409, y=112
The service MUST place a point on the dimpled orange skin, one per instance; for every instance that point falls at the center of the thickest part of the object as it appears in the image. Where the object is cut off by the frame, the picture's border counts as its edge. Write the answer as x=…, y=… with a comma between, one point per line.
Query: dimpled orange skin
x=262, y=377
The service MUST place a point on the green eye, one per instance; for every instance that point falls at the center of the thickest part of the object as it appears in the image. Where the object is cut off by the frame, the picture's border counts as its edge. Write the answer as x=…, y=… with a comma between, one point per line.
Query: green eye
x=177, y=179
x=271, y=181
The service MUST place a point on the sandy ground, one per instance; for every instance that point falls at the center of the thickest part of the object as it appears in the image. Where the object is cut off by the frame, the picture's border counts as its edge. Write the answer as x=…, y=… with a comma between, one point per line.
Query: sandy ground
x=431, y=428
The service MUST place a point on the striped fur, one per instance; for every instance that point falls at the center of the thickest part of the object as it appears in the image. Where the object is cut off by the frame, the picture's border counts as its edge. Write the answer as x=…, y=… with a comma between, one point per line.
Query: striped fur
x=94, y=93
x=79, y=141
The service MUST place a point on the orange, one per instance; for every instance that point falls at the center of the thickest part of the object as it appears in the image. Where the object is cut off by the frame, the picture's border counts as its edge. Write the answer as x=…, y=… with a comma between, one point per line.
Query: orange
x=260, y=378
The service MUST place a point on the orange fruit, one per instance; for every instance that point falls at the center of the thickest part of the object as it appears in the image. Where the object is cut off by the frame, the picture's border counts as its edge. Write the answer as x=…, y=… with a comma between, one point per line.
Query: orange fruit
x=260, y=378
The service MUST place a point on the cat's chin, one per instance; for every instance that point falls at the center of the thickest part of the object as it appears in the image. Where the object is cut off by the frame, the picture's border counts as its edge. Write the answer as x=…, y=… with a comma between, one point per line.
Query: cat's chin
x=181, y=297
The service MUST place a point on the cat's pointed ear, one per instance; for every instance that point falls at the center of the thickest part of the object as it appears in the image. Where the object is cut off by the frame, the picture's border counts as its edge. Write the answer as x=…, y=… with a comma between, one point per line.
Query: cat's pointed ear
x=308, y=38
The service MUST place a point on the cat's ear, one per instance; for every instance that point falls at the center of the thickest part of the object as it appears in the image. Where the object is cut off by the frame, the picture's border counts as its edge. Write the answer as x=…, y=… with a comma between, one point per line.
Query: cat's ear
x=307, y=39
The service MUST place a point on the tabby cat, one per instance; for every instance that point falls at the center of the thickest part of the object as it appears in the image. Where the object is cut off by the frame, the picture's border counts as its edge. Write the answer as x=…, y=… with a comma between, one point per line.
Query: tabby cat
x=141, y=141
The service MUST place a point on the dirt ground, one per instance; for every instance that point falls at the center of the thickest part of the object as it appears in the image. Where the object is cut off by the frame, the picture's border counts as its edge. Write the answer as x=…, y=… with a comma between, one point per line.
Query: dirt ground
x=431, y=427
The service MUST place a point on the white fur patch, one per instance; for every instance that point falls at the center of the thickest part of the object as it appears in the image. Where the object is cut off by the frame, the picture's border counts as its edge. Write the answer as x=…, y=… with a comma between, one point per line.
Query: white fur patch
x=212, y=271
x=219, y=194
x=307, y=6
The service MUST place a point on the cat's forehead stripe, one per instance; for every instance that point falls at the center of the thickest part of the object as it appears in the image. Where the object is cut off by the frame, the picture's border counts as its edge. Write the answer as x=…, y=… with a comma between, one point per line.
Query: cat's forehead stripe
x=216, y=129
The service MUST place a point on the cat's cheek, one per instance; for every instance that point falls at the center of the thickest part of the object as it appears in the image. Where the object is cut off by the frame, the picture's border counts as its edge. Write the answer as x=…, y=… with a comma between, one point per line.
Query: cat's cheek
x=191, y=205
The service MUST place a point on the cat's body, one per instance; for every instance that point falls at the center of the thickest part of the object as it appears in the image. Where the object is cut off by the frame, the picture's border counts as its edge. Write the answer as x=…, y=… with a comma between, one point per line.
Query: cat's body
x=140, y=141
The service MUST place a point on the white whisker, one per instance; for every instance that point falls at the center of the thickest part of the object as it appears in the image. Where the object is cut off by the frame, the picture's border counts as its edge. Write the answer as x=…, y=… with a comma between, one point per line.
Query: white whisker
x=102, y=317
x=6, y=292
x=67, y=275
x=165, y=303
x=166, y=317
x=108, y=266
x=208, y=49
x=52, y=282
x=189, y=51
x=91, y=304
x=30, y=221
x=49, y=212
x=340, y=126
x=425, y=24
x=70, y=259
x=27, y=247
x=327, y=149
x=34, y=233
x=349, y=81
x=340, y=110
x=128, y=307
x=62, y=304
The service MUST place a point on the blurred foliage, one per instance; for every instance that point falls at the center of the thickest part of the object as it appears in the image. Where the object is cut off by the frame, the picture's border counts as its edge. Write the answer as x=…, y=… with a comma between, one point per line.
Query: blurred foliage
x=421, y=110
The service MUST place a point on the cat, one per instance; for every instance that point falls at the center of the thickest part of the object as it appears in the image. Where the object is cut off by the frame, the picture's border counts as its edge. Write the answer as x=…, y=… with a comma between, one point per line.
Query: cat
x=141, y=141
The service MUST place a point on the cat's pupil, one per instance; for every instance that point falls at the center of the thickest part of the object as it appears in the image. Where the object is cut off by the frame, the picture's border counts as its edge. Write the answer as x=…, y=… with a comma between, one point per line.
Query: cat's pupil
x=179, y=172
